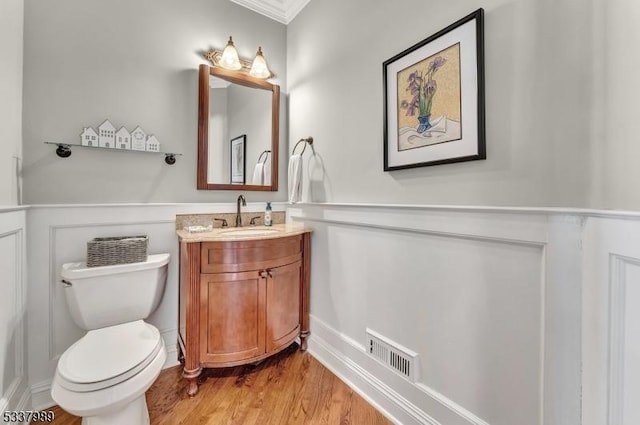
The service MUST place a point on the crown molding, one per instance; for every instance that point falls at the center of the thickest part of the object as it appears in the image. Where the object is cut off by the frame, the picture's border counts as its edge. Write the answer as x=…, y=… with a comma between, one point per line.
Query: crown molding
x=282, y=11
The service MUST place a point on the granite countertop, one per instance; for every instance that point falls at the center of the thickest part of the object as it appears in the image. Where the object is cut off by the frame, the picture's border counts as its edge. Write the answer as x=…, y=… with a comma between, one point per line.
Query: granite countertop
x=247, y=233
x=209, y=219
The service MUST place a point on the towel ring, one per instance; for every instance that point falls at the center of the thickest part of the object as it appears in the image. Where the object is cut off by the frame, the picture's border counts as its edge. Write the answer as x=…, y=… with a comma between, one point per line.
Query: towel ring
x=308, y=141
x=266, y=153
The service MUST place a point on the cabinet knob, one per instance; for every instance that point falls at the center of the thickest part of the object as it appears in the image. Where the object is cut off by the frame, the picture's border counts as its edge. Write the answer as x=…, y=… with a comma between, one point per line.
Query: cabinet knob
x=265, y=274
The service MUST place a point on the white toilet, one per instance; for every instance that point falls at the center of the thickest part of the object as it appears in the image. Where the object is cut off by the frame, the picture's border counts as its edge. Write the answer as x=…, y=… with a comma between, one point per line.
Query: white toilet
x=103, y=377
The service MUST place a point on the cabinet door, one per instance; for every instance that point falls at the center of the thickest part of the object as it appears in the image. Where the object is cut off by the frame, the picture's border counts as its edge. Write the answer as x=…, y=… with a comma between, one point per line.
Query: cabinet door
x=232, y=317
x=283, y=306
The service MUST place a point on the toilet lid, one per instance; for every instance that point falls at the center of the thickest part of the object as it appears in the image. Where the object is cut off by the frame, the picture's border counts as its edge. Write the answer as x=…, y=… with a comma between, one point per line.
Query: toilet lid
x=108, y=356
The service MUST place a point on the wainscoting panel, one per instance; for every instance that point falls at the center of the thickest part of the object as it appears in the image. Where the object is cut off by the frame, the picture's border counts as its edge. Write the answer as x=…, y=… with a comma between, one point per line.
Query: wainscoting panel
x=624, y=368
x=518, y=316
x=68, y=243
x=466, y=293
x=611, y=318
x=14, y=390
x=58, y=235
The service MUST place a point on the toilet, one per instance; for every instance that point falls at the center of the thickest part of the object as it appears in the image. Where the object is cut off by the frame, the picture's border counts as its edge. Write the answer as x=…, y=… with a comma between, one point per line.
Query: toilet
x=103, y=377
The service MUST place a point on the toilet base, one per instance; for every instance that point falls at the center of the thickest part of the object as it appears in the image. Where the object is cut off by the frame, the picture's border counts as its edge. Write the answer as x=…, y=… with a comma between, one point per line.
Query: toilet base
x=120, y=404
x=135, y=413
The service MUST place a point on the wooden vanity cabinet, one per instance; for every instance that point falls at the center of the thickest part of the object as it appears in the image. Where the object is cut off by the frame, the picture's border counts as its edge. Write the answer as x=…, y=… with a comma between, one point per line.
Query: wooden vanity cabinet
x=241, y=301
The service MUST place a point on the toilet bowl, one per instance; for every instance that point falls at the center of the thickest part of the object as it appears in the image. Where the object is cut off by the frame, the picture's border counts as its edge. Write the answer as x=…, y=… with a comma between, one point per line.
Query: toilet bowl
x=103, y=377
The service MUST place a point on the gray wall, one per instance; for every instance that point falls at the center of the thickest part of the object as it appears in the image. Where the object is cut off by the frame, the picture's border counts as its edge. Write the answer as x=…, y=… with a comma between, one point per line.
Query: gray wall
x=539, y=102
x=11, y=34
x=615, y=122
x=561, y=125
x=136, y=64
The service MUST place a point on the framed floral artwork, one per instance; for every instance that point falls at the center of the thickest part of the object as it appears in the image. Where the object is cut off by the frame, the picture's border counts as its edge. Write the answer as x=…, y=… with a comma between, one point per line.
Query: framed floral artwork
x=238, y=161
x=434, y=98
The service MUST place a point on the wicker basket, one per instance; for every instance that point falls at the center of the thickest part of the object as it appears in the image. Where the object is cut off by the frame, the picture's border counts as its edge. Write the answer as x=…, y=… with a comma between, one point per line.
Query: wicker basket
x=116, y=250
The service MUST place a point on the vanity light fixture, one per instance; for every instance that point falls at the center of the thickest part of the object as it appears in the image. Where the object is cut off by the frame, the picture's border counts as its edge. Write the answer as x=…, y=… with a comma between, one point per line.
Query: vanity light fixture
x=228, y=59
x=259, y=67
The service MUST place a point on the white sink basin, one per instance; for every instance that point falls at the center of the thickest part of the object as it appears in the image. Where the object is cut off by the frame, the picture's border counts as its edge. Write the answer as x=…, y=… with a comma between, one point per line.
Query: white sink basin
x=249, y=231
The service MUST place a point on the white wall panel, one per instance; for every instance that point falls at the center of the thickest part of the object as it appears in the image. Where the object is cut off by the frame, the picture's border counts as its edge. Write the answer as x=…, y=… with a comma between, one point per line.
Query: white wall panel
x=58, y=234
x=9, y=308
x=631, y=348
x=14, y=391
x=563, y=305
x=611, y=334
x=471, y=290
x=518, y=315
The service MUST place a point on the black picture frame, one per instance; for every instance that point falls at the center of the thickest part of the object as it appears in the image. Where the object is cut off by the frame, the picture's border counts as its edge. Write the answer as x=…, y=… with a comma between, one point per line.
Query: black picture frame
x=238, y=166
x=410, y=88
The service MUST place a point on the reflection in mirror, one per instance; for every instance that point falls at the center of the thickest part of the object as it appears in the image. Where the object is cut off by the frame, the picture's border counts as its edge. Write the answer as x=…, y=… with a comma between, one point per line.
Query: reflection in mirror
x=236, y=111
x=237, y=131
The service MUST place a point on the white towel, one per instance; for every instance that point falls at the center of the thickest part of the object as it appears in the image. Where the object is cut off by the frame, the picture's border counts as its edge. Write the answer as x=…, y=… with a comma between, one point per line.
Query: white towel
x=267, y=172
x=295, y=178
x=258, y=174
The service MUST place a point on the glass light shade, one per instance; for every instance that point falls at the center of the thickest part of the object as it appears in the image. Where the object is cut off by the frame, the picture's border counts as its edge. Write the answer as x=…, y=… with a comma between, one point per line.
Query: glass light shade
x=259, y=67
x=229, y=59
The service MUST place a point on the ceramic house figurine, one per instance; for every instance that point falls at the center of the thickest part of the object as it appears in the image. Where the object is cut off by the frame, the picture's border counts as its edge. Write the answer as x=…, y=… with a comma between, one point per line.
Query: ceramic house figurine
x=89, y=137
x=138, y=139
x=123, y=139
x=152, y=144
x=107, y=135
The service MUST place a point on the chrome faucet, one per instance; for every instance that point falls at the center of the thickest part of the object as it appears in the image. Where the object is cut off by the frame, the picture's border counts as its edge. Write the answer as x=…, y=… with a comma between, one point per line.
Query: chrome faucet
x=238, y=215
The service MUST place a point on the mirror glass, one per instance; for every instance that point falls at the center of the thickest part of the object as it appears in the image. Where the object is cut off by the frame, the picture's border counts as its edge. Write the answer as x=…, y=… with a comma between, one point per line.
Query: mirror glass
x=238, y=121
x=239, y=134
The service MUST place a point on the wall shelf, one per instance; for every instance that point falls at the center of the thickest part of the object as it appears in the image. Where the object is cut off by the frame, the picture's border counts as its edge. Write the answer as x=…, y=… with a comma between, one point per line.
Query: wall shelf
x=64, y=151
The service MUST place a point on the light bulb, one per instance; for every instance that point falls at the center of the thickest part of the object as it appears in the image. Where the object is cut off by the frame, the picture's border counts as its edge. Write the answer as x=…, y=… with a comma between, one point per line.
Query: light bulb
x=229, y=59
x=259, y=67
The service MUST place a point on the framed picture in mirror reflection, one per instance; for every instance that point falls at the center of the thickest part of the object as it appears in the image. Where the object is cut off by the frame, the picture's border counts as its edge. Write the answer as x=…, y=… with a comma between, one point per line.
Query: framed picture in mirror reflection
x=238, y=162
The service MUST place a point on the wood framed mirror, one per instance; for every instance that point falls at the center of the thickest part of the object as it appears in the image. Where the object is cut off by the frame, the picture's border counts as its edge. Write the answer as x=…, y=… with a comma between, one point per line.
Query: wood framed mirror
x=234, y=105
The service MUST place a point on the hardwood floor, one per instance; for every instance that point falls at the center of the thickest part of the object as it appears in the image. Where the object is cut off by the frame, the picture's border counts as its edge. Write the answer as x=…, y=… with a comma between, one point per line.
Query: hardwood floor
x=291, y=388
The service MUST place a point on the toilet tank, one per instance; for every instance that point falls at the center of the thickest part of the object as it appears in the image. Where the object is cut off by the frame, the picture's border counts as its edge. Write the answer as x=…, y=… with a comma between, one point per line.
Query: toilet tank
x=110, y=295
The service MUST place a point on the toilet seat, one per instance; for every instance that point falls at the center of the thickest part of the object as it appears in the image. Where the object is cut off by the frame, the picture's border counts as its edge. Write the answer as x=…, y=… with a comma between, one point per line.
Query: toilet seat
x=108, y=356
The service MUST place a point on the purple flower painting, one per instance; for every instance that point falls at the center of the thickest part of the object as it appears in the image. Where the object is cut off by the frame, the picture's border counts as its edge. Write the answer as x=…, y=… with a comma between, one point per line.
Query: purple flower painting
x=423, y=87
x=434, y=98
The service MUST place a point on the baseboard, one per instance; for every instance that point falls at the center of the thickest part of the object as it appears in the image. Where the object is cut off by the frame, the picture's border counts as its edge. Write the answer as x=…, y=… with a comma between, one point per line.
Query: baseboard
x=41, y=395
x=17, y=398
x=359, y=381
x=401, y=401
x=25, y=401
x=170, y=337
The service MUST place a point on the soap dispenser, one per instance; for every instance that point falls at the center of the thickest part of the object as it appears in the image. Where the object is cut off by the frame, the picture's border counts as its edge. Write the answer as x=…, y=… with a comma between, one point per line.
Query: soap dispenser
x=267, y=215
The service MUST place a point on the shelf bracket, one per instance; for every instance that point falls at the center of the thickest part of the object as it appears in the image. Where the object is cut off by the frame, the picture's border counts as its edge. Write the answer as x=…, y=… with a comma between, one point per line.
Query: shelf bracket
x=170, y=158
x=63, y=151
